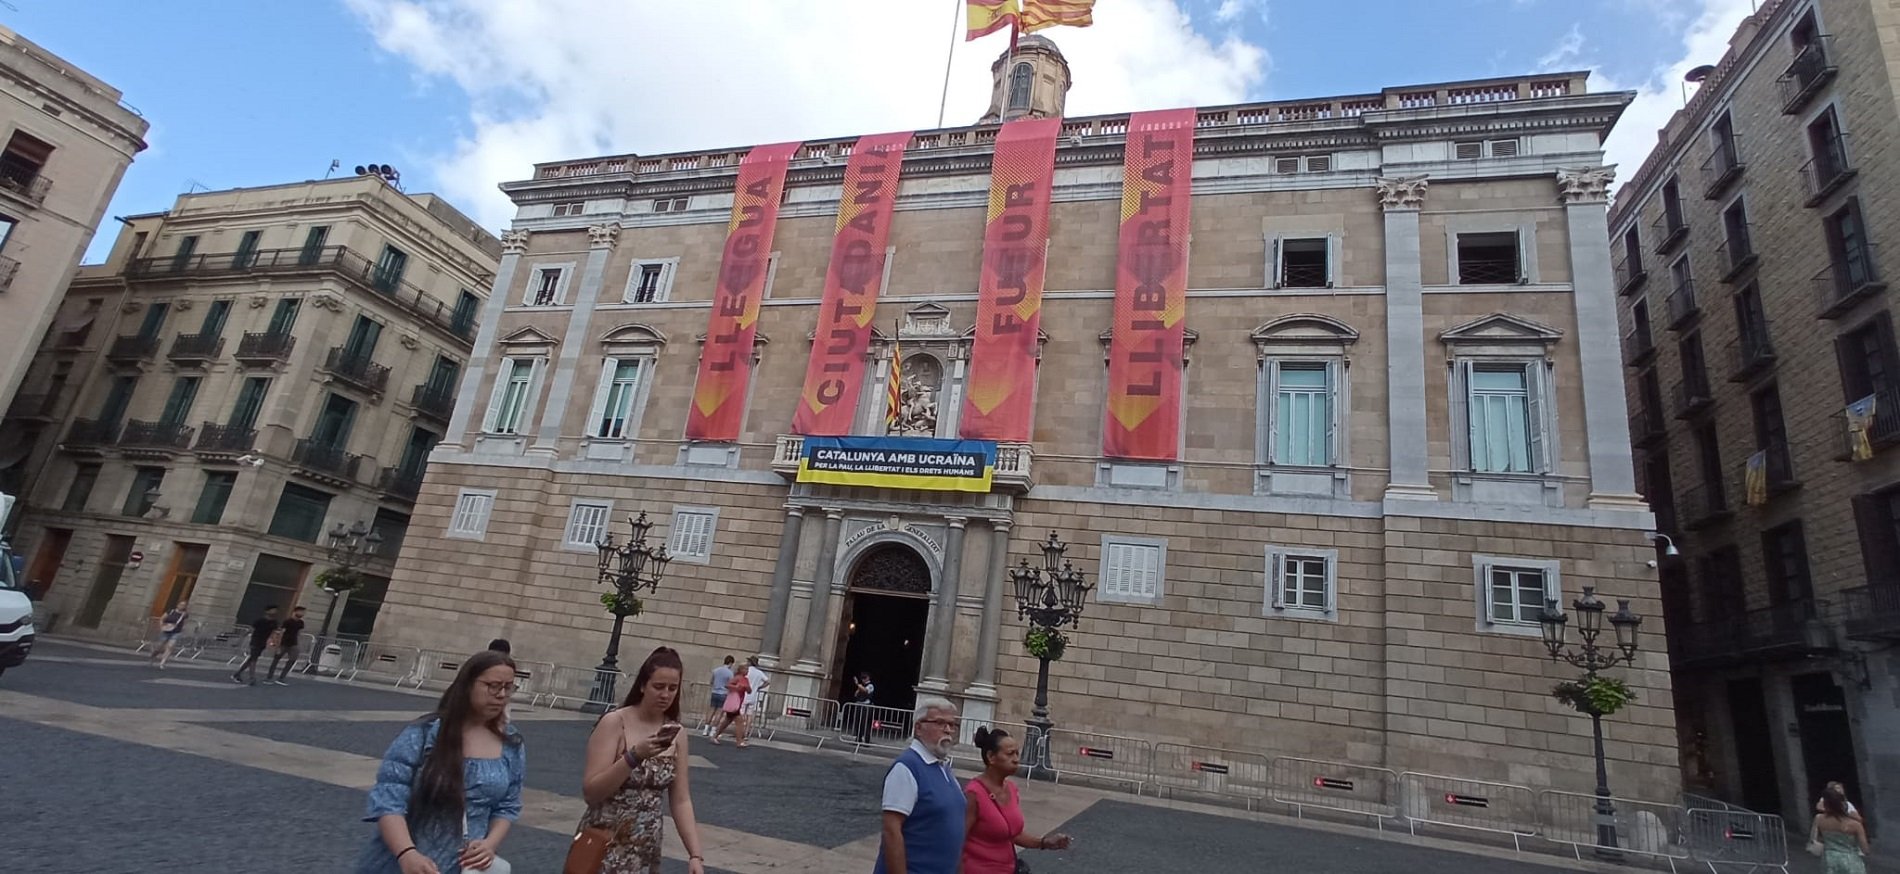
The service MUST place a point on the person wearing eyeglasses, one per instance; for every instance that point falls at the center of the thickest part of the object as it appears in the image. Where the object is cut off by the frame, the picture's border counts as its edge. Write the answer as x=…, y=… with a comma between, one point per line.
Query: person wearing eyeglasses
x=449, y=787
x=923, y=806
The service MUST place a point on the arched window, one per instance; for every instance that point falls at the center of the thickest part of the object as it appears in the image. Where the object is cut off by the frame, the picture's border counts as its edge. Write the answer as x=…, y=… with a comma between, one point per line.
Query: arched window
x=1019, y=82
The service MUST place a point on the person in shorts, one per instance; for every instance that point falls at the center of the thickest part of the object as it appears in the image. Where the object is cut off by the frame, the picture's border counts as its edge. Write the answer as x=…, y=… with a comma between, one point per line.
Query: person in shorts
x=169, y=628
x=721, y=678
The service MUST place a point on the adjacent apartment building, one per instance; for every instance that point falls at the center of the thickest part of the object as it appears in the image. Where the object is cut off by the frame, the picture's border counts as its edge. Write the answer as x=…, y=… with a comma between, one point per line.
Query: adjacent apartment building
x=1752, y=250
x=67, y=141
x=245, y=373
x=1398, y=432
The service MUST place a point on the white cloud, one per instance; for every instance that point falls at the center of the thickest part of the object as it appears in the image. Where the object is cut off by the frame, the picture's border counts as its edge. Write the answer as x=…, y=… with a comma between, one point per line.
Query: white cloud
x=1566, y=50
x=1658, y=98
x=560, y=79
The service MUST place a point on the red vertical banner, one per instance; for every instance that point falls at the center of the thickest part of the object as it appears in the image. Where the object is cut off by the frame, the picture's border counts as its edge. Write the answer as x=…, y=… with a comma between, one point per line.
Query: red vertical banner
x=999, y=402
x=834, y=376
x=725, y=362
x=1143, y=419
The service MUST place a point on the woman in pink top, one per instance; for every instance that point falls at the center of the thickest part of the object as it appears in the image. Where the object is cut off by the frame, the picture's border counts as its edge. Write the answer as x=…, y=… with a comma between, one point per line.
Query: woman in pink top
x=993, y=815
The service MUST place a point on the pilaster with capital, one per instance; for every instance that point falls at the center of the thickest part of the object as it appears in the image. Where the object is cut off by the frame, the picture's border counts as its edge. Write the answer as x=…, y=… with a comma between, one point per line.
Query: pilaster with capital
x=513, y=244
x=943, y=616
x=983, y=683
x=561, y=385
x=780, y=598
x=813, y=647
x=1584, y=193
x=1401, y=198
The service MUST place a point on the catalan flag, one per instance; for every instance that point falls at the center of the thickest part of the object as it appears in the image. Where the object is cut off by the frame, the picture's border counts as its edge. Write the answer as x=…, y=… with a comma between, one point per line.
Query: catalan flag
x=1040, y=14
x=985, y=17
x=894, y=390
x=1860, y=422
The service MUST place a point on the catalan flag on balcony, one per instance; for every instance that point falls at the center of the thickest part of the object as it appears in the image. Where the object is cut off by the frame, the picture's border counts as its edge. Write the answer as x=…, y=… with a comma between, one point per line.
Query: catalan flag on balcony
x=1040, y=14
x=1860, y=423
x=984, y=17
x=1755, y=479
x=894, y=390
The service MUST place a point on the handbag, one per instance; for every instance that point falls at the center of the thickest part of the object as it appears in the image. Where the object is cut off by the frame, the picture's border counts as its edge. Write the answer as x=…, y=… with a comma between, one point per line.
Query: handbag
x=588, y=852
x=1022, y=864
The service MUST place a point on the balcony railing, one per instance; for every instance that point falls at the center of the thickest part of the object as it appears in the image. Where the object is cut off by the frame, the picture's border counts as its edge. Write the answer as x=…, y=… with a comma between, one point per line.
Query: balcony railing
x=265, y=348
x=322, y=458
x=1846, y=280
x=92, y=432
x=1489, y=271
x=132, y=347
x=357, y=370
x=1752, y=352
x=1812, y=69
x=1638, y=345
x=1303, y=276
x=215, y=437
x=26, y=182
x=1671, y=227
x=195, y=348
x=1786, y=631
x=1627, y=279
x=1867, y=433
x=1013, y=462
x=1647, y=426
x=399, y=483
x=1737, y=253
x=434, y=401
x=1778, y=474
x=338, y=260
x=33, y=407
x=1704, y=503
x=1721, y=168
x=1693, y=395
x=1873, y=610
x=1828, y=170
x=1682, y=305
x=155, y=435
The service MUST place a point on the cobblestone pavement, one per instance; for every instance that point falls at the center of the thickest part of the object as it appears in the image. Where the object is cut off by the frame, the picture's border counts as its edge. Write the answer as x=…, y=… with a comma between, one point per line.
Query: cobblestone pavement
x=108, y=765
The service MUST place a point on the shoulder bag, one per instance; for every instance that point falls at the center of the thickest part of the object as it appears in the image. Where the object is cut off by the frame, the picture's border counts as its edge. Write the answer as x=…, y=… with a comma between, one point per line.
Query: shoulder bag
x=588, y=852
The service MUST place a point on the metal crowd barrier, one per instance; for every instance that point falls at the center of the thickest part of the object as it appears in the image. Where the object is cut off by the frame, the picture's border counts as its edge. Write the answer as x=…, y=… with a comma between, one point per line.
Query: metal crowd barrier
x=1478, y=805
x=1645, y=828
x=528, y=677
x=436, y=668
x=147, y=634
x=310, y=658
x=1210, y=771
x=390, y=664
x=888, y=727
x=802, y=715
x=571, y=686
x=1338, y=786
x=1737, y=837
x=1106, y=757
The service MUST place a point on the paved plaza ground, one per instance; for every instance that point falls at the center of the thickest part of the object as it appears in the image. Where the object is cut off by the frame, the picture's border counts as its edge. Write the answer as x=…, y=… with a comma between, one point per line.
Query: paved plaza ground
x=109, y=765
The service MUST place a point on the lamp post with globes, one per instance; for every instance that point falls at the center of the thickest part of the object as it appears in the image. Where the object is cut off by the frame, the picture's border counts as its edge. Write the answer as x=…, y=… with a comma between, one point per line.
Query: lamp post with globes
x=1048, y=597
x=1593, y=657
x=626, y=569
x=349, y=548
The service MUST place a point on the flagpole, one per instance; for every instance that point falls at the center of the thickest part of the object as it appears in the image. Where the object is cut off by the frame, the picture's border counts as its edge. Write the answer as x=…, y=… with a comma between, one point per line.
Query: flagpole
x=955, y=29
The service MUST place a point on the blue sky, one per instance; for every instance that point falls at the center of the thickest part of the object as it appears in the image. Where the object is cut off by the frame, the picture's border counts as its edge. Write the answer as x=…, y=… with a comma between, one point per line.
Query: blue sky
x=462, y=94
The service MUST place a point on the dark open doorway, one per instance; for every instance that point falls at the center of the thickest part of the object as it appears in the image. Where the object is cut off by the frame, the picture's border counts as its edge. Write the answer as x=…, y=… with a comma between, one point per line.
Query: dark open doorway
x=1754, y=751
x=1827, y=741
x=886, y=611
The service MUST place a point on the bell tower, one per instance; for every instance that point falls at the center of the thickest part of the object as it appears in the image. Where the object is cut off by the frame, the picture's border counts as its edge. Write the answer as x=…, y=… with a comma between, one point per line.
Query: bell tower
x=1031, y=82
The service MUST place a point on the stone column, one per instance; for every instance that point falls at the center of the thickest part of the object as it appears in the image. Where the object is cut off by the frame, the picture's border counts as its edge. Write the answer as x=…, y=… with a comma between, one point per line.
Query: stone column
x=943, y=619
x=813, y=648
x=991, y=627
x=781, y=597
x=1405, y=340
x=561, y=386
x=513, y=244
x=1585, y=195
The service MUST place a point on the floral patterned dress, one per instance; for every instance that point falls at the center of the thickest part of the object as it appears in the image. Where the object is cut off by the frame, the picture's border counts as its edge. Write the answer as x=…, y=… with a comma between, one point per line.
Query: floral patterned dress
x=637, y=816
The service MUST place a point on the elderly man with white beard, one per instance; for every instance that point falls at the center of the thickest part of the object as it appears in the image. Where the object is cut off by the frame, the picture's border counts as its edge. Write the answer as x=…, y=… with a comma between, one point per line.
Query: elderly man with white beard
x=923, y=806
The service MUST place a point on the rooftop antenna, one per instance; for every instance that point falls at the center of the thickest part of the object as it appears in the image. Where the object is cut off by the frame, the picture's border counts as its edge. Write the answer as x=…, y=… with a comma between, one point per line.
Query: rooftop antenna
x=1695, y=77
x=192, y=185
x=334, y=163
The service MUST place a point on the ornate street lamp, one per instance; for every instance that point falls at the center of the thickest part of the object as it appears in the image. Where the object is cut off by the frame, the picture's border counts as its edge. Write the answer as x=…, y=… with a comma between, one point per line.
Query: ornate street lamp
x=348, y=549
x=1593, y=657
x=625, y=569
x=1048, y=597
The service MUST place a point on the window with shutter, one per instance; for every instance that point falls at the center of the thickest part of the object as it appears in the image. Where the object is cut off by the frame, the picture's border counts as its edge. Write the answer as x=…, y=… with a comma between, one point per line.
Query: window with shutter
x=472, y=507
x=692, y=535
x=1301, y=582
x=1319, y=163
x=1513, y=592
x=587, y=523
x=1286, y=165
x=1132, y=570
x=1504, y=148
x=1468, y=151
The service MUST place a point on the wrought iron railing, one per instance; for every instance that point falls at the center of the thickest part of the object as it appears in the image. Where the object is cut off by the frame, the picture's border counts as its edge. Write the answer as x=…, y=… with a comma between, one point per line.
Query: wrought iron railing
x=1692, y=395
x=195, y=347
x=155, y=435
x=437, y=401
x=1753, y=351
x=357, y=369
x=1488, y=271
x=1703, y=502
x=1828, y=170
x=1628, y=277
x=266, y=347
x=1737, y=252
x=401, y=483
x=132, y=347
x=25, y=181
x=1873, y=610
x=1721, y=167
x=92, y=432
x=1880, y=425
x=1638, y=344
x=1849, y=276
x=1671, y=227
x=1682, y=303
x=324, y=458
x=1813, y=66
x=215, y=437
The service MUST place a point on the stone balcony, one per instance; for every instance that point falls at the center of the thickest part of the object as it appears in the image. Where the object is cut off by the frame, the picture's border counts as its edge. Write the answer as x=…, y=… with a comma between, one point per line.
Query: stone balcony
x=1012, y=472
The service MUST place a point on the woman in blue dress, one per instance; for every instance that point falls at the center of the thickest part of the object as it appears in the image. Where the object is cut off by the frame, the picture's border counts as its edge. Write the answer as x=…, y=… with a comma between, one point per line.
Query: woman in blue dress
x=450, y=785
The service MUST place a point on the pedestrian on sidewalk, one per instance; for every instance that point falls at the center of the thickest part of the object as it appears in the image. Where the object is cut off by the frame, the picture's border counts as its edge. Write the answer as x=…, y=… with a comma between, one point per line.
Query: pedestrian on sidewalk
x=993, y=817
x=729, y=715
x=860, y=706
x=1842, y=838
x=635, y=755
x=721, y=681
x=262, y=629
x=449, y=788
x=923, y=808
x=169, y=627
x=759, y=681
x=289, y=639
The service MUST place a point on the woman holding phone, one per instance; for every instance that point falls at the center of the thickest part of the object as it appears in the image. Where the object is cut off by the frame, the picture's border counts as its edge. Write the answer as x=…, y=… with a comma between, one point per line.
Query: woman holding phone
x=635, y=756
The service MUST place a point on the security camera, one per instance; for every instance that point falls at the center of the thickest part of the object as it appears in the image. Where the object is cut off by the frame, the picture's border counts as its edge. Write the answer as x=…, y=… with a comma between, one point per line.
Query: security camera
x=1651, y=563
x=251, y=460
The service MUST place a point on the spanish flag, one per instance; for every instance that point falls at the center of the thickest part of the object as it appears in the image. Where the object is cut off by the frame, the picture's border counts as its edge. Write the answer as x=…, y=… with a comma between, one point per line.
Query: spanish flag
x=985, y=17
x=894, y=390
x=1040, y=14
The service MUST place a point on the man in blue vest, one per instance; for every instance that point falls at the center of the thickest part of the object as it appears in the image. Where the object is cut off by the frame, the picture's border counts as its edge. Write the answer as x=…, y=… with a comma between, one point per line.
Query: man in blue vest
x=923, y=807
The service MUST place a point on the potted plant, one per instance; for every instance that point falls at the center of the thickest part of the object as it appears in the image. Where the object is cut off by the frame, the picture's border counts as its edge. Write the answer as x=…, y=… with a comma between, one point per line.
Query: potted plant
x=1046, y=643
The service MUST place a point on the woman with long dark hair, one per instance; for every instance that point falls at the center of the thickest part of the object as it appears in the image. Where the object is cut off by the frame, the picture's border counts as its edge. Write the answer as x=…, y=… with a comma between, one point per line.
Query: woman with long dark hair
x=993, y=813
x=450, y=785
x=635, y=754
x=1843, y=838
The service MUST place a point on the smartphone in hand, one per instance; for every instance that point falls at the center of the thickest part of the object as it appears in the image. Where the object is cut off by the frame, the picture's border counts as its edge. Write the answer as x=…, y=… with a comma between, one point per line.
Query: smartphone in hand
x=664, y=737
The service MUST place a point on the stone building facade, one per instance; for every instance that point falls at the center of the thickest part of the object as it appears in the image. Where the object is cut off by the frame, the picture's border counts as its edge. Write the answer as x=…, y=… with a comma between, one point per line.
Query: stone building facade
x=1751, y=271
x=69, y=138
x=244, y=373
x=1350, y=580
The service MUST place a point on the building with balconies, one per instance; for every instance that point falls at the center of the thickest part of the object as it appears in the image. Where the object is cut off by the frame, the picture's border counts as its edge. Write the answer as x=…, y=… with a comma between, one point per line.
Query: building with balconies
x=1776, y=476
x=69, y=139
x=1400, y=429
x=242, y=374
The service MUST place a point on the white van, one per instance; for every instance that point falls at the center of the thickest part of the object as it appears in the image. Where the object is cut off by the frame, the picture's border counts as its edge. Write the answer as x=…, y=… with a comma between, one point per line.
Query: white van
x=16, y=611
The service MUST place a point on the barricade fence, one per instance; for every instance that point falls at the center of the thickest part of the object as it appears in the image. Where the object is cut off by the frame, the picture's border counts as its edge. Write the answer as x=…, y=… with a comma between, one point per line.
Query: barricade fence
x=384, y=663
x=573, y=687
x=1104, y=757
x=1181, y=769
x=315, y=659
x=146, y=634
x=1338, y=786
x=1479, y=805
x=1643, y=827
x=529, y=675
x=802, y=715
x=1736, y=837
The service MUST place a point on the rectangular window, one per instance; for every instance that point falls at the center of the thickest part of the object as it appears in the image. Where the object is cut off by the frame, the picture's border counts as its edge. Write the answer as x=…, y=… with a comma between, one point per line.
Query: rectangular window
x=178, y=406
x=508, y=407
x=1771, y=437
x=300, y=513
x=250, y=402
x=1302, y=414
x=651, y=280
x=442, y=375
x=1490, y=258
x=154, y=320
x=1672, y=206
x=470, y=520
x=1877, y=517
x=144, y=492
x=211, y=501
x=691, y=538
x=614, y=400
x=25, y=157
x=1695, y=370
x=1847, y=244
x=1514, y=591
x=415, y=453
x=79, y=492
x=334, y=423
x=361, y=344
x=246, y=254
x=1722, y=136
x=1751, y=324
x=587, y=523
x=1132, y=570
x=1709, y=457
x=187, y=246
x=1633, y=251
x=313, y=243
x=572, y=207
x=1504, y=415
x=1828, y=147
x=215, y=316
x=462, y=322
x=389, y=268
x=1301, y=583
x=1738, y=244
x=285, y=316
x=1870, y=364
x=1785, y=555
x=547, y=287
x=1304, y=263
x=676, y=204
x=118, y=397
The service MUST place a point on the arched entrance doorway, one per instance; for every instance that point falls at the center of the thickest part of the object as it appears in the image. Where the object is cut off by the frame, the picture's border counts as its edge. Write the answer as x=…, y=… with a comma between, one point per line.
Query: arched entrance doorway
x=886, y=609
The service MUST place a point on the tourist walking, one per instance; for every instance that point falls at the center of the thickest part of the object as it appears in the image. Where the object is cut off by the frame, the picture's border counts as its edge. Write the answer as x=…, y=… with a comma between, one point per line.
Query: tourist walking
x=729, y=712
x=993, y=819
x=1841, y=837
x=721, y=680
x=289, y=639
x=759, y=681
x=262, y=629
x=923, y=808
x=170, y=626
x=635, y=756
x=449, y=787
